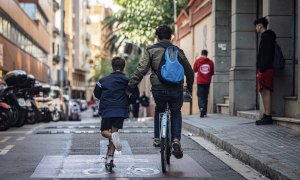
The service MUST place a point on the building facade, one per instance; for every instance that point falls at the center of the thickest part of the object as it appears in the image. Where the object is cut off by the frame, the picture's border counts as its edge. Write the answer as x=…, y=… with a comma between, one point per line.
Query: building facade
x=234, y=47
x=25, y=37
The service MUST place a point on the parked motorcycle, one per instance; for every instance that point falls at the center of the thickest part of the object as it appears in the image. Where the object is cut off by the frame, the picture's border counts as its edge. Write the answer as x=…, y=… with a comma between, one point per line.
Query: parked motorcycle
x=5, y=112
x=15, y=80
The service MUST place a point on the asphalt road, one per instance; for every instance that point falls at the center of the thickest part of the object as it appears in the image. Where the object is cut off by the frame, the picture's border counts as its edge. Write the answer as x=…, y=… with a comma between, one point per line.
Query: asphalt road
x=75, y=150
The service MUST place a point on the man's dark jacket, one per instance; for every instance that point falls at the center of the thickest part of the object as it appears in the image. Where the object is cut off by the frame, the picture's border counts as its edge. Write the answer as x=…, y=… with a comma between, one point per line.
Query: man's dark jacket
x=151, y=60
x=111, y=90
x=266, y=51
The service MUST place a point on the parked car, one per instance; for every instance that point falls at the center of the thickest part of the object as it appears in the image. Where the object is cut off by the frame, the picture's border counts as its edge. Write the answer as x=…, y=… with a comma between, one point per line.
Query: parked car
x=66, y=100
x=82, y=104
x=95, y=108
x=57, y=103
x=74, y=111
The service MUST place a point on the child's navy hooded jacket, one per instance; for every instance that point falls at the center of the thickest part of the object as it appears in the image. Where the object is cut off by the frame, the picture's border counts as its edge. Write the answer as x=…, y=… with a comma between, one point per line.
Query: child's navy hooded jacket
x=111, y=90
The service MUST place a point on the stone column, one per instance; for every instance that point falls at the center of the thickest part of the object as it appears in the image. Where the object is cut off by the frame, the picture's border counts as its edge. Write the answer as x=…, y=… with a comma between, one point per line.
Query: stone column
x=298, y=55
x=221, y=54
x=280, y=16
x=242, y=79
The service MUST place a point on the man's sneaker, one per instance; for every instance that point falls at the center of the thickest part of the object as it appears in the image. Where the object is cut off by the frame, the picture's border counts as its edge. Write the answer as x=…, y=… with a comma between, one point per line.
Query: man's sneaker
x=177, y=151
x=202, y=113
x=115, y=137
x=156, y=142
x=265, y=120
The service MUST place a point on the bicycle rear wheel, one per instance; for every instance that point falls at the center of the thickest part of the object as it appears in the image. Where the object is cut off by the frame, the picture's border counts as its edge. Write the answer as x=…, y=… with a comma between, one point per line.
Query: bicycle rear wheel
x=163, y=153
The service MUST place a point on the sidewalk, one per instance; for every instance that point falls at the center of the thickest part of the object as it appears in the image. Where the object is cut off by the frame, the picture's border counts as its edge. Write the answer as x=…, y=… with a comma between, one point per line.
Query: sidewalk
x=270, y=149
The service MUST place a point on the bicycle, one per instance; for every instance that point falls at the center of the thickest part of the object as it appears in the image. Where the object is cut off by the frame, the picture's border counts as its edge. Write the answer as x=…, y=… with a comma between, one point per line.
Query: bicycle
x=165, y=139
x=165, y=134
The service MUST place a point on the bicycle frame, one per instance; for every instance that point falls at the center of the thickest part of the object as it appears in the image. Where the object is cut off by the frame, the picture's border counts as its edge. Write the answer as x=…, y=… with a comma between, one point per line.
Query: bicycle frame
x=164, y=124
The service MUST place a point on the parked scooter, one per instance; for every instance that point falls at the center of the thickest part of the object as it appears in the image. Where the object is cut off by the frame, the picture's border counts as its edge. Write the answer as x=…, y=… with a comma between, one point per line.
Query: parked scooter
x=30, y=104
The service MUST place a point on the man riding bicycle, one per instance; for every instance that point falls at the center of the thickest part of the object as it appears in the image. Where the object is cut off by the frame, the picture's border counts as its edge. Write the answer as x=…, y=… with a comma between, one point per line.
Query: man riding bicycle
x=163, y=93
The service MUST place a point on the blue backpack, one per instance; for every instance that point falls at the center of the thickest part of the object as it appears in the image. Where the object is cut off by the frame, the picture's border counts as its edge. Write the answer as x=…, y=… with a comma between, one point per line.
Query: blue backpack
x=170, y=70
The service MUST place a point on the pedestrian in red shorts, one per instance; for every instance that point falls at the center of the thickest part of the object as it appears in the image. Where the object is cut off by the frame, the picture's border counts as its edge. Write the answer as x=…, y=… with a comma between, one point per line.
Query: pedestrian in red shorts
x=265, y=70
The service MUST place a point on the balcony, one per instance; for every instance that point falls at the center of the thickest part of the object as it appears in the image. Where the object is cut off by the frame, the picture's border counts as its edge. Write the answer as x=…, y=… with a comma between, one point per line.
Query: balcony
x=56, y=59
x=87, y=37
x=55, y=31
x=55, y=6
x=88, y=52
x=88, y=20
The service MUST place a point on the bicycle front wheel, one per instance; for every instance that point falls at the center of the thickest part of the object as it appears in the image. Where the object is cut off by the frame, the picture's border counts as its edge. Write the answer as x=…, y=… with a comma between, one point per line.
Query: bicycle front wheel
x=163, y=153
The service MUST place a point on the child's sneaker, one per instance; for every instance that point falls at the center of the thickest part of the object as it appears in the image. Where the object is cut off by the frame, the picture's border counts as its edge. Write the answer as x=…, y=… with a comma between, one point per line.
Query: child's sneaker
x=116, y=141
x=109, y=158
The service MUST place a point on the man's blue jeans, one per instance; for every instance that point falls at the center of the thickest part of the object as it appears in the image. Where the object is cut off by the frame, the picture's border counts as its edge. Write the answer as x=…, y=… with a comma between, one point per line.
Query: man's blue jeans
x=202, y=93
x=174, y=98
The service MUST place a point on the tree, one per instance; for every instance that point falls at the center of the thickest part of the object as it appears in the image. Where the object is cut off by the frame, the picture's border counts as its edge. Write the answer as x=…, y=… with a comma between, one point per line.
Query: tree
x=138, y=20
x=102, y=68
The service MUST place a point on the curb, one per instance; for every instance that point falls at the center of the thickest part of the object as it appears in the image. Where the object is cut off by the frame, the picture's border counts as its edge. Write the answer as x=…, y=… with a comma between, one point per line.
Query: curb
x=237, y=153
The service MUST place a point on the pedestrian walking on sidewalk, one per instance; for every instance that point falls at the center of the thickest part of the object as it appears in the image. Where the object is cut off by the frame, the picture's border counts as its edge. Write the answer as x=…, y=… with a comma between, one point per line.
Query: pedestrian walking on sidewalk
x=265, y=69
x=144, y=100
x=114, y=104
x=204, y=67
x=136, y=109
x=163, y=92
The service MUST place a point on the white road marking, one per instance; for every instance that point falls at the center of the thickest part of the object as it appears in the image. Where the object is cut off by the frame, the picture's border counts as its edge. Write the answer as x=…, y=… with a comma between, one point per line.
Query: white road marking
x=29, y=132
x=238, y=166
x=6, y=149
x=20, y=138
x=13, y=132
x=5, y=139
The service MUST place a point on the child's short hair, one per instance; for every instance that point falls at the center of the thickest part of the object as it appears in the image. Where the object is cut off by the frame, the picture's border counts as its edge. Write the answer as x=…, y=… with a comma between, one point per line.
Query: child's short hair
x=118, y=63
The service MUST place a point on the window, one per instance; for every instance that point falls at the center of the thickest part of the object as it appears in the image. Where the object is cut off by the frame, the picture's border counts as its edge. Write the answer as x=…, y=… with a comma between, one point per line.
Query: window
x=30, y=9
x=8, y=30
x=1, y=27
x=4, y=27
x=18, y=37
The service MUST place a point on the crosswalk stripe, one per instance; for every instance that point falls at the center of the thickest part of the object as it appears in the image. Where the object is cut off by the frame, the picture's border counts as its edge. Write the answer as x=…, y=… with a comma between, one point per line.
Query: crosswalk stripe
x=5, y=139
x=20, y=138
x=6, y=149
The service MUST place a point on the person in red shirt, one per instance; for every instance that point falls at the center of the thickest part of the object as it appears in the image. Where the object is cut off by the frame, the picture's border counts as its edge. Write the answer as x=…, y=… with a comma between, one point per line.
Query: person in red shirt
x=204, y=68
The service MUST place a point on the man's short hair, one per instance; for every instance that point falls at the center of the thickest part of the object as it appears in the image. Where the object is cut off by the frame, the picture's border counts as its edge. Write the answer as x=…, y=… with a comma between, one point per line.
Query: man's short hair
x=204, y=52
x=163, y=32
x=262, y=21
x=118, y=63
